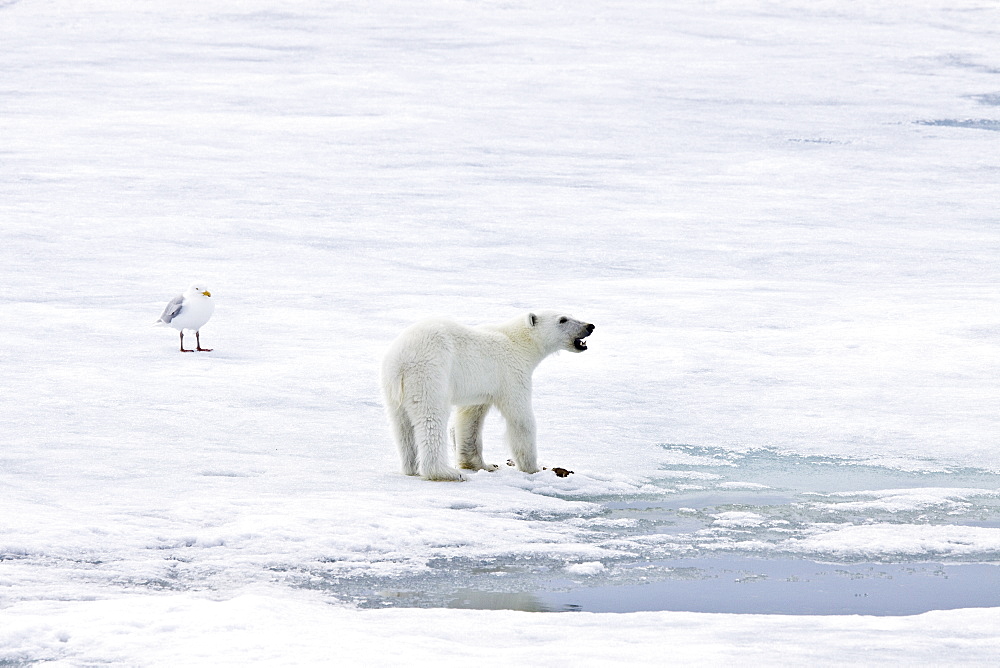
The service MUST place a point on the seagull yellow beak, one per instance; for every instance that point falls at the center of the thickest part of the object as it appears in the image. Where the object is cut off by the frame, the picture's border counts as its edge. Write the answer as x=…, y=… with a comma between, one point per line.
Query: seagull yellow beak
x=207, y=293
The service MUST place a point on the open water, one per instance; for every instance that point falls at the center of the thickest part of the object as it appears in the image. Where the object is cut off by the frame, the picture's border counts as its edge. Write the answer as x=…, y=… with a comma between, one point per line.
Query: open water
x=733, y=532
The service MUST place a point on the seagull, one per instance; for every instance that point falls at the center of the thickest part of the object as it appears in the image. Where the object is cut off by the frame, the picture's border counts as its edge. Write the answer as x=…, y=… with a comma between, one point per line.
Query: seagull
x=190, y=310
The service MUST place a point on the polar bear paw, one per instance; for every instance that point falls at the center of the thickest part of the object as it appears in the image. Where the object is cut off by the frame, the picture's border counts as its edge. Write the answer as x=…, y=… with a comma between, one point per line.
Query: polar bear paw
x=446, y=475
x=477, y=466
x=511, y=462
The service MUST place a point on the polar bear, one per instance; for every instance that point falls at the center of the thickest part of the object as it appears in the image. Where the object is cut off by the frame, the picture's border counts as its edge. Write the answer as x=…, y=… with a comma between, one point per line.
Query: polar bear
x=436, y=364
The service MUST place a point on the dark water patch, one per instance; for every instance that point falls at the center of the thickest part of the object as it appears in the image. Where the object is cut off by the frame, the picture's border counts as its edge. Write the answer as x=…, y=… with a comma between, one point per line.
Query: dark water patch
x=972, y=123
x=793, y=587
x=991, y=100
x=963, y=62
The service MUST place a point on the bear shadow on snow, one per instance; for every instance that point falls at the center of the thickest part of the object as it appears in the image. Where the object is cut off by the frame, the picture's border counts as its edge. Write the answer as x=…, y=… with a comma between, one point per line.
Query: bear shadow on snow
x=436, y=364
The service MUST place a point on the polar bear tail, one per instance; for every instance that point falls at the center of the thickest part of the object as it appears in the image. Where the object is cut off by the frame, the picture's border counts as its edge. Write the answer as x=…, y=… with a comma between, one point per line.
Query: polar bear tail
x=392, y=390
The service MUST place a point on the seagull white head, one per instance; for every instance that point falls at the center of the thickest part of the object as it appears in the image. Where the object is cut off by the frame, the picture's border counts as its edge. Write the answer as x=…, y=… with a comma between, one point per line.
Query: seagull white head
x=197, y=289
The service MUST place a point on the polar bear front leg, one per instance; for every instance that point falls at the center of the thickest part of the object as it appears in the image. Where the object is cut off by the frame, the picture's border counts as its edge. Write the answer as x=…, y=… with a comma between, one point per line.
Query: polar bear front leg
x=468, y=437
x=430, y=425
x=521, y=435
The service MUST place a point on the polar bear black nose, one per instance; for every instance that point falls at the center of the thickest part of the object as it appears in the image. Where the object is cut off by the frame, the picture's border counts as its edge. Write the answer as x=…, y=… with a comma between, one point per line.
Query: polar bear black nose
x=590, y=328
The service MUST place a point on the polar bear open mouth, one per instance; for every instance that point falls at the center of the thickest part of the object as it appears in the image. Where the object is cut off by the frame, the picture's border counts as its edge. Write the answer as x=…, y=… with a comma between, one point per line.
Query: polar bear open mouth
x=580, y=344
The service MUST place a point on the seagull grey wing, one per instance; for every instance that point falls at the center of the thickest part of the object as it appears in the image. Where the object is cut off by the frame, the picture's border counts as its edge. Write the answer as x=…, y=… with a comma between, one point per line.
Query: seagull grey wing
x=173, y=308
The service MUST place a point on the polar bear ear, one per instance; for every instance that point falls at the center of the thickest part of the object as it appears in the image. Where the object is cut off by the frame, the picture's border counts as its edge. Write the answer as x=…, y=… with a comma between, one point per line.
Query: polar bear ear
x=532, y=320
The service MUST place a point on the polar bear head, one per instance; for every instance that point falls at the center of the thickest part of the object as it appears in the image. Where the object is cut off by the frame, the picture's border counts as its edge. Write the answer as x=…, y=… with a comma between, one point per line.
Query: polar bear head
x=557, y=331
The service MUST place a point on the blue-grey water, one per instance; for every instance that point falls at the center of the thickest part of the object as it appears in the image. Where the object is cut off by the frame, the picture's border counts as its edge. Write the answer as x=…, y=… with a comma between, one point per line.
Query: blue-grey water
x=725, y=535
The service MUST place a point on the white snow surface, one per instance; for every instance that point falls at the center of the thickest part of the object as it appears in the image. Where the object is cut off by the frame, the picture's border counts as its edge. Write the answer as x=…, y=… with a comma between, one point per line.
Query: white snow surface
x=781, y=216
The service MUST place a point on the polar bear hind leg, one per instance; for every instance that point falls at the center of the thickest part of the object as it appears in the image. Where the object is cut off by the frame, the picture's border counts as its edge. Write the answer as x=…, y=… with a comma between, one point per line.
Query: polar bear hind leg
x=402, y=433
x=430, y=427
x=418, y=424
x=467, y=435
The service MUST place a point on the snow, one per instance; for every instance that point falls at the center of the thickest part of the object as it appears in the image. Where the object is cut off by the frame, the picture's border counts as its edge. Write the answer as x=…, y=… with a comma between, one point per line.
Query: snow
x=738, y=519
x=256, y=627
x=780, y=216
x=586, y=568
x=916, y=539
x=902, y=500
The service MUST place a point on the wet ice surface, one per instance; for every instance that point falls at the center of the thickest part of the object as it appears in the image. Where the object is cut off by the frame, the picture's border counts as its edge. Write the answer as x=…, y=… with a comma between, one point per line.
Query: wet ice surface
x=752, y=532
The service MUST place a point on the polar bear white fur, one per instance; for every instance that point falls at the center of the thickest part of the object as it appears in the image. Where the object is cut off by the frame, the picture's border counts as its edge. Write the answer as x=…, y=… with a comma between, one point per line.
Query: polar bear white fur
x=436, y=364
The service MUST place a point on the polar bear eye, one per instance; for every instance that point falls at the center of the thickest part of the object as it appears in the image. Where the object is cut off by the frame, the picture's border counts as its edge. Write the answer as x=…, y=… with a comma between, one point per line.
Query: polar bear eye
x=563, y=320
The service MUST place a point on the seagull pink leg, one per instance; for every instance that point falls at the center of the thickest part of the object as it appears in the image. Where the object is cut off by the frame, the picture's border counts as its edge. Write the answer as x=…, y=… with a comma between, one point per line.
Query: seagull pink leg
x=182, y=344
x=197, y=337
